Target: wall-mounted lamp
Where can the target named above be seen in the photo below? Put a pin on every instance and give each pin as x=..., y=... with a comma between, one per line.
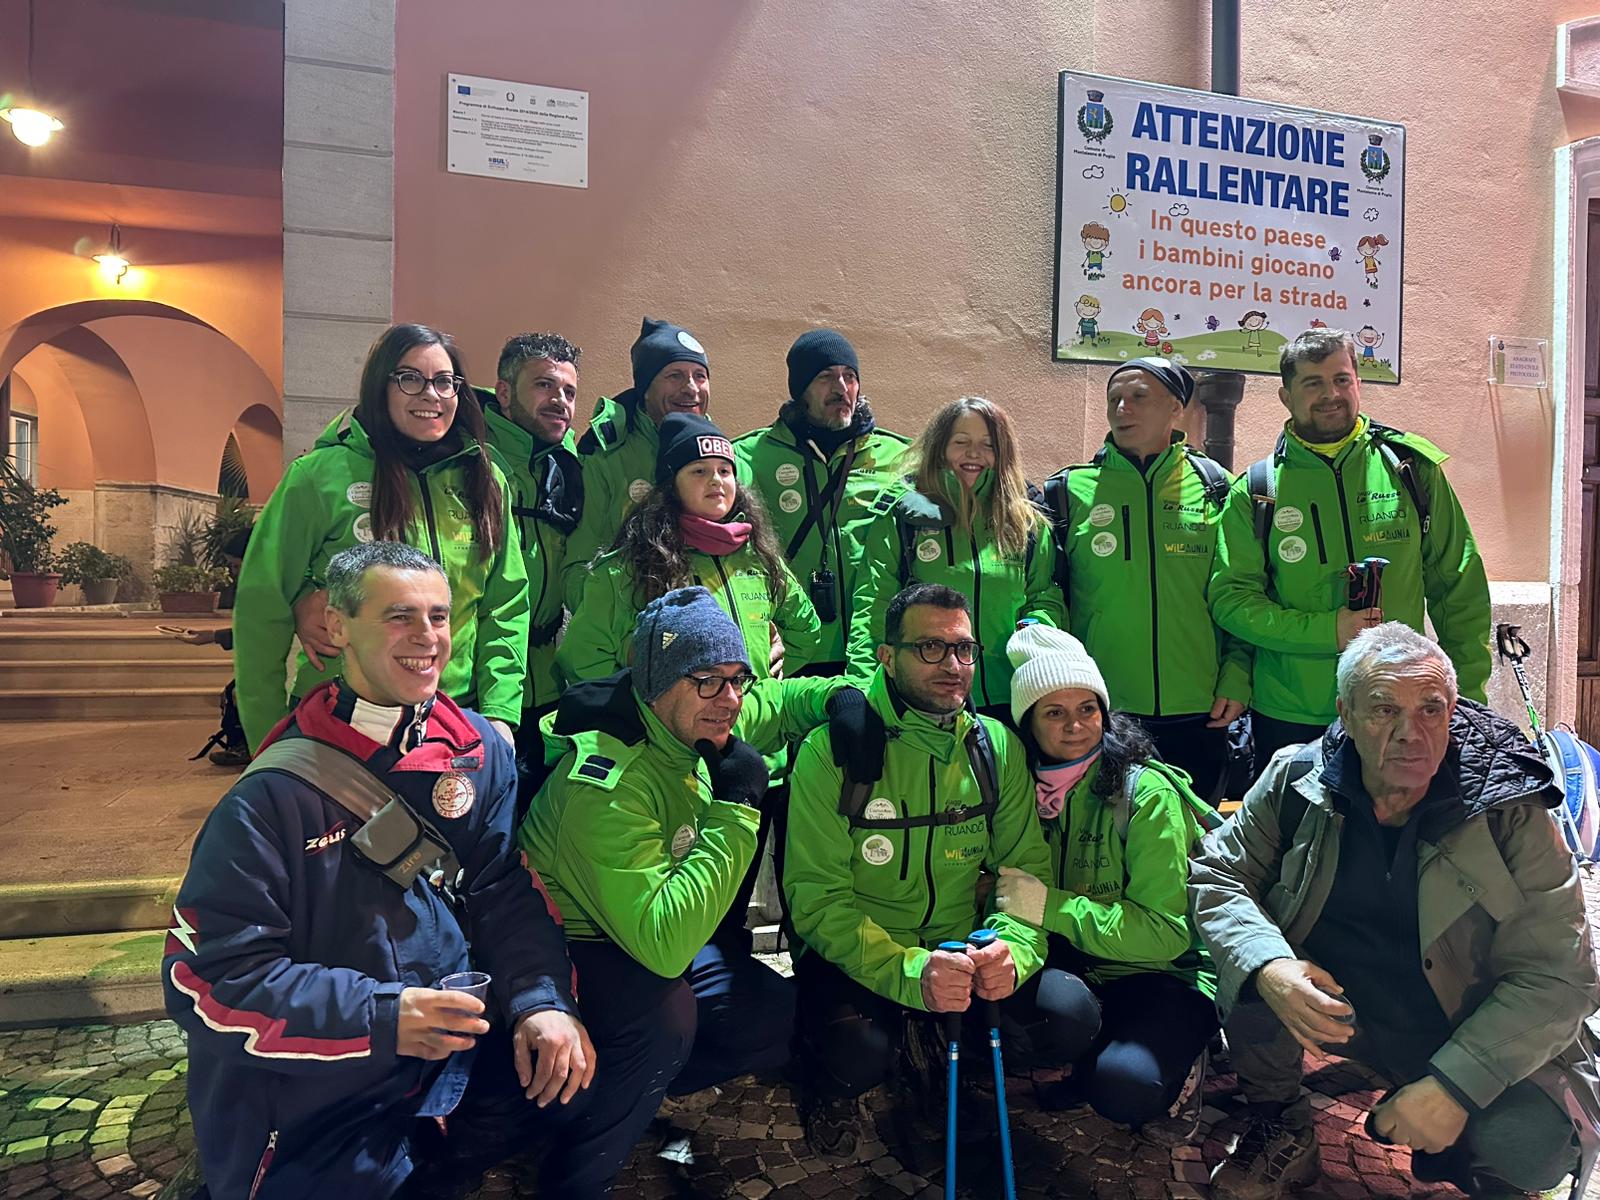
x=113, y=266
x=30, y=126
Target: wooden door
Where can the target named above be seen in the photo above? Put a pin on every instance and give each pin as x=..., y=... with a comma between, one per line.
x=1589, y=607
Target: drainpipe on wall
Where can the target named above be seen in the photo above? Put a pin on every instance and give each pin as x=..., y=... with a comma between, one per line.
x=1219, y=392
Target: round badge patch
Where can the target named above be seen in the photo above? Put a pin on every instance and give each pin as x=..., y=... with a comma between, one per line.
x=879, y=809
x=359, y=494
x=928, y=549
x=638, y=490
x=1287, y=520
x=682, y=840
x=688, y=342
x=787, y=473
x=1292, y=549
x=1101, y=514
x=877, y=850
x=789, y=501
x=1104, y=544
x=452, y=795
x=362, y=528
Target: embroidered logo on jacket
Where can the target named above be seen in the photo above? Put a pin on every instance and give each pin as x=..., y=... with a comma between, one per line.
x=336, y=833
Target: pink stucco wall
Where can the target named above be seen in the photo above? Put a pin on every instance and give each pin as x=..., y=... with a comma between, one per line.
x=889, y=169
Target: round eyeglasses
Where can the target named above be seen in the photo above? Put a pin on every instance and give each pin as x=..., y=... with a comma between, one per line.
x=414, y=383
x=710, y=686
x=935, y=650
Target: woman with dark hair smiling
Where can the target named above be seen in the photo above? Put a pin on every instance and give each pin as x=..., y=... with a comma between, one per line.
x=697, y=526
x=409, y=464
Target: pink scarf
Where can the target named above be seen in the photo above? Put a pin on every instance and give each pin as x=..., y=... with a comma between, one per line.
x=717, y=538
x=1054, y=783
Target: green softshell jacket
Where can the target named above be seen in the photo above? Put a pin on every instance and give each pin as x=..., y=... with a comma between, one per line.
x=319, y=508
x=625, y=834
x=876, y=903
x=1139, y=554
x=793, y=479
x=921, y=536
x=1329, y=514
x=619, y=469
x=544, y=521
x=597, y=641
x=1121, y=896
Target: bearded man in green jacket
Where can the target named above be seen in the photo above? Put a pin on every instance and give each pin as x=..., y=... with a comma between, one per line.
x=671, y=373
x=880, y=872
x=1340, y=488
x=1136, y=539
x=819, y=467
x=1396, y=893
x=646, y=827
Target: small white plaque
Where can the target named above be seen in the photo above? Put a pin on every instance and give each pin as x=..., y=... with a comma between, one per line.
x=521, y=131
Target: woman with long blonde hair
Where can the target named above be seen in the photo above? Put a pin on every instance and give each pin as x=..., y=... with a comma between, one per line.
x=964, y=519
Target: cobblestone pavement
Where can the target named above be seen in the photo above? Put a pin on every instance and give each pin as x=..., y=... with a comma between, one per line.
x=99, y=1111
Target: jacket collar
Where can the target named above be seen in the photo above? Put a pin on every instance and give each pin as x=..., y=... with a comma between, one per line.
x=916, y=729
x=1111, y=455
x=347, y=430
x=448, y=740
x=612, y=706
x=618, y=417
x=518, y=444
x=792, y=420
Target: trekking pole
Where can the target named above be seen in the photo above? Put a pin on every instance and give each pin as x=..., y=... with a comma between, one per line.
x=952, y=1035
x=1508, y=641
x=978, y=939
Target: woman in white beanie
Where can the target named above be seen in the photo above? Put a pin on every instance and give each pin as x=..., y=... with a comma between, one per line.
x=1119, y=824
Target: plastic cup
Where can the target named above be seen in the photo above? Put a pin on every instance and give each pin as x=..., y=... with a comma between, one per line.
x=473, y=983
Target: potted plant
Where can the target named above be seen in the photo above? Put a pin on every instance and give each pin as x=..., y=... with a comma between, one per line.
x=222, y=530
x=25, y=537
x=184, y=588
x=96, y=571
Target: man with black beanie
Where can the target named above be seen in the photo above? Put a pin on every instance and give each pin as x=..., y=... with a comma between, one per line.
x=1136, y=533
x=671, y=373
x=819, y=467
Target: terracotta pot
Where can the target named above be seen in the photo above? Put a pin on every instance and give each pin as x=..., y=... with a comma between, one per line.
x=34, y=590
x=101, y=591
x=188, y=602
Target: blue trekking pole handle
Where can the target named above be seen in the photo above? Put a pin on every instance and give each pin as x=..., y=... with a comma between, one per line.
x=952, y=1037
x=978, y=939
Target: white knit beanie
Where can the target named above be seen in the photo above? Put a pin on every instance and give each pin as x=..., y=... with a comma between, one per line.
x=1046, y=660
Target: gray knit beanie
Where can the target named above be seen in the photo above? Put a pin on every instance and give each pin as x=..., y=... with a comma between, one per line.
x=680, y=633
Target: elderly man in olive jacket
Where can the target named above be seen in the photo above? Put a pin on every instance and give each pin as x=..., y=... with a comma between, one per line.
x=1397, y=893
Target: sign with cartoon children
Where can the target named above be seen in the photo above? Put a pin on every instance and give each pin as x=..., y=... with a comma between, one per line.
x=1213, y=229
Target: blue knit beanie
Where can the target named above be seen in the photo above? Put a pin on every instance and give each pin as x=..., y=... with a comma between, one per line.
x=660, y=343
x=814, y=351
x=680, y=633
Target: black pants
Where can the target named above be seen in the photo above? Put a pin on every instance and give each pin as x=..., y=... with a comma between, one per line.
x=1271, y=735
x=1152, y=1028
x=849, y=1033
x=727, y=1015
x=1187, y=744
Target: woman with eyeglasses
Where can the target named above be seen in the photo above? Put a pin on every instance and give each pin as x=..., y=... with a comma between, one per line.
x=696, y=527
x=1119, y=823
x=965, y=520
x=409, y=464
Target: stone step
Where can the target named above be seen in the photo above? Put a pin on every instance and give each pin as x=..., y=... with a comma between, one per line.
x=83, y=977
x=114, y=674
x=136, y=640
x=95, y=704
x=42, y=910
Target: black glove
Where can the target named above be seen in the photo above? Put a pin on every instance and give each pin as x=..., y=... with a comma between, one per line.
x=738, y=772
x=856, y=734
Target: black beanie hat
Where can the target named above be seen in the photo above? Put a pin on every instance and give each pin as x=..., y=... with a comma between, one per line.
x=660, y=343
x=817, y=350
x=684, y=437
x=1175, y=378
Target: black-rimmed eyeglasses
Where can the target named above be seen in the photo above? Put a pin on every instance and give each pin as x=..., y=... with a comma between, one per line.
x=414, y=383
x=935, y=650
x=710, y=686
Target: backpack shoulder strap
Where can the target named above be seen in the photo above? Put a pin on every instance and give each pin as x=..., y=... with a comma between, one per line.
x=1262, y=480
x=1401, y=460
x=333, y=772
x=1214, y=480
x=980, y=753
x=1122, y=806
x=853, y=792
x=1292, y=807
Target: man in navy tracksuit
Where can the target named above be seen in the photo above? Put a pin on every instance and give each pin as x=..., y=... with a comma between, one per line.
x=306, y=978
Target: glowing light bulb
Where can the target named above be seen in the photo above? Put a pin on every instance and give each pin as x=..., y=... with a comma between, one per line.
x=30, y=126
x=112, y=267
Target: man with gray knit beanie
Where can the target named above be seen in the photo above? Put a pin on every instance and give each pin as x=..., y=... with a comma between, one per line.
x=645, y=829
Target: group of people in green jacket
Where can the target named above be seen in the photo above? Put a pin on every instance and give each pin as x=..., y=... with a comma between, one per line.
x=957, y=699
